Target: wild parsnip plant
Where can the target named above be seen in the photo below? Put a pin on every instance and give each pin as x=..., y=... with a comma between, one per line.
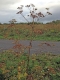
x=34, y=14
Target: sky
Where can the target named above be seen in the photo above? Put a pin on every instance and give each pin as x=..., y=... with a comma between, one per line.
x=8, y=10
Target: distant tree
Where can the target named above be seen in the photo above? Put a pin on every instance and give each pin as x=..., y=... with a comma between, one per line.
x=0, y=23
x=5, y=23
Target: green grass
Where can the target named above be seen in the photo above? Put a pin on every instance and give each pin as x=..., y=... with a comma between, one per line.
x=44, y=66
x=24, y=36
x=23, y=31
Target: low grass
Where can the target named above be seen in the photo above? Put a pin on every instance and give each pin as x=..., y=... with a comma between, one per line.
x=50, y=32
x=13, y=66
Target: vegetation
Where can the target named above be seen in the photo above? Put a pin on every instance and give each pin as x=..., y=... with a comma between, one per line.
x=49, y=32
x=13, y=66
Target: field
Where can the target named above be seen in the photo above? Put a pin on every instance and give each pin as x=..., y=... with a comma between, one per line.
x=49, y=32
x=15, y=66
x=23, y=65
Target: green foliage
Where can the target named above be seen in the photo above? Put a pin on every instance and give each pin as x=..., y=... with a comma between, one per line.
x=48, y=32
x=41, y=66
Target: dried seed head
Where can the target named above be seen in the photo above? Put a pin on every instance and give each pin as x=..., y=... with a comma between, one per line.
x=28, y=15
x=40, y=14
x=12, y=21
x=32, y=11
x=49, y=13
x=33, y=16
x=27, y=6
x=21, y=5
x=19, y=12
x=32, y=5
x=43, y=15
x=19, y=8
x=35, y=8
x=47, y=8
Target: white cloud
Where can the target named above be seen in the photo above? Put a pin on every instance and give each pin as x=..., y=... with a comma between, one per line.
x=6, y=4
x=8, y=8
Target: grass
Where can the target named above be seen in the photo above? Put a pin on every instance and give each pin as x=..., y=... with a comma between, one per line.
x=50, y=32
x=44, y=66
x=13, y=66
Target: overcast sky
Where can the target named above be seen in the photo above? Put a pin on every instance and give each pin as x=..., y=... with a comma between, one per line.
x=8, y=9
